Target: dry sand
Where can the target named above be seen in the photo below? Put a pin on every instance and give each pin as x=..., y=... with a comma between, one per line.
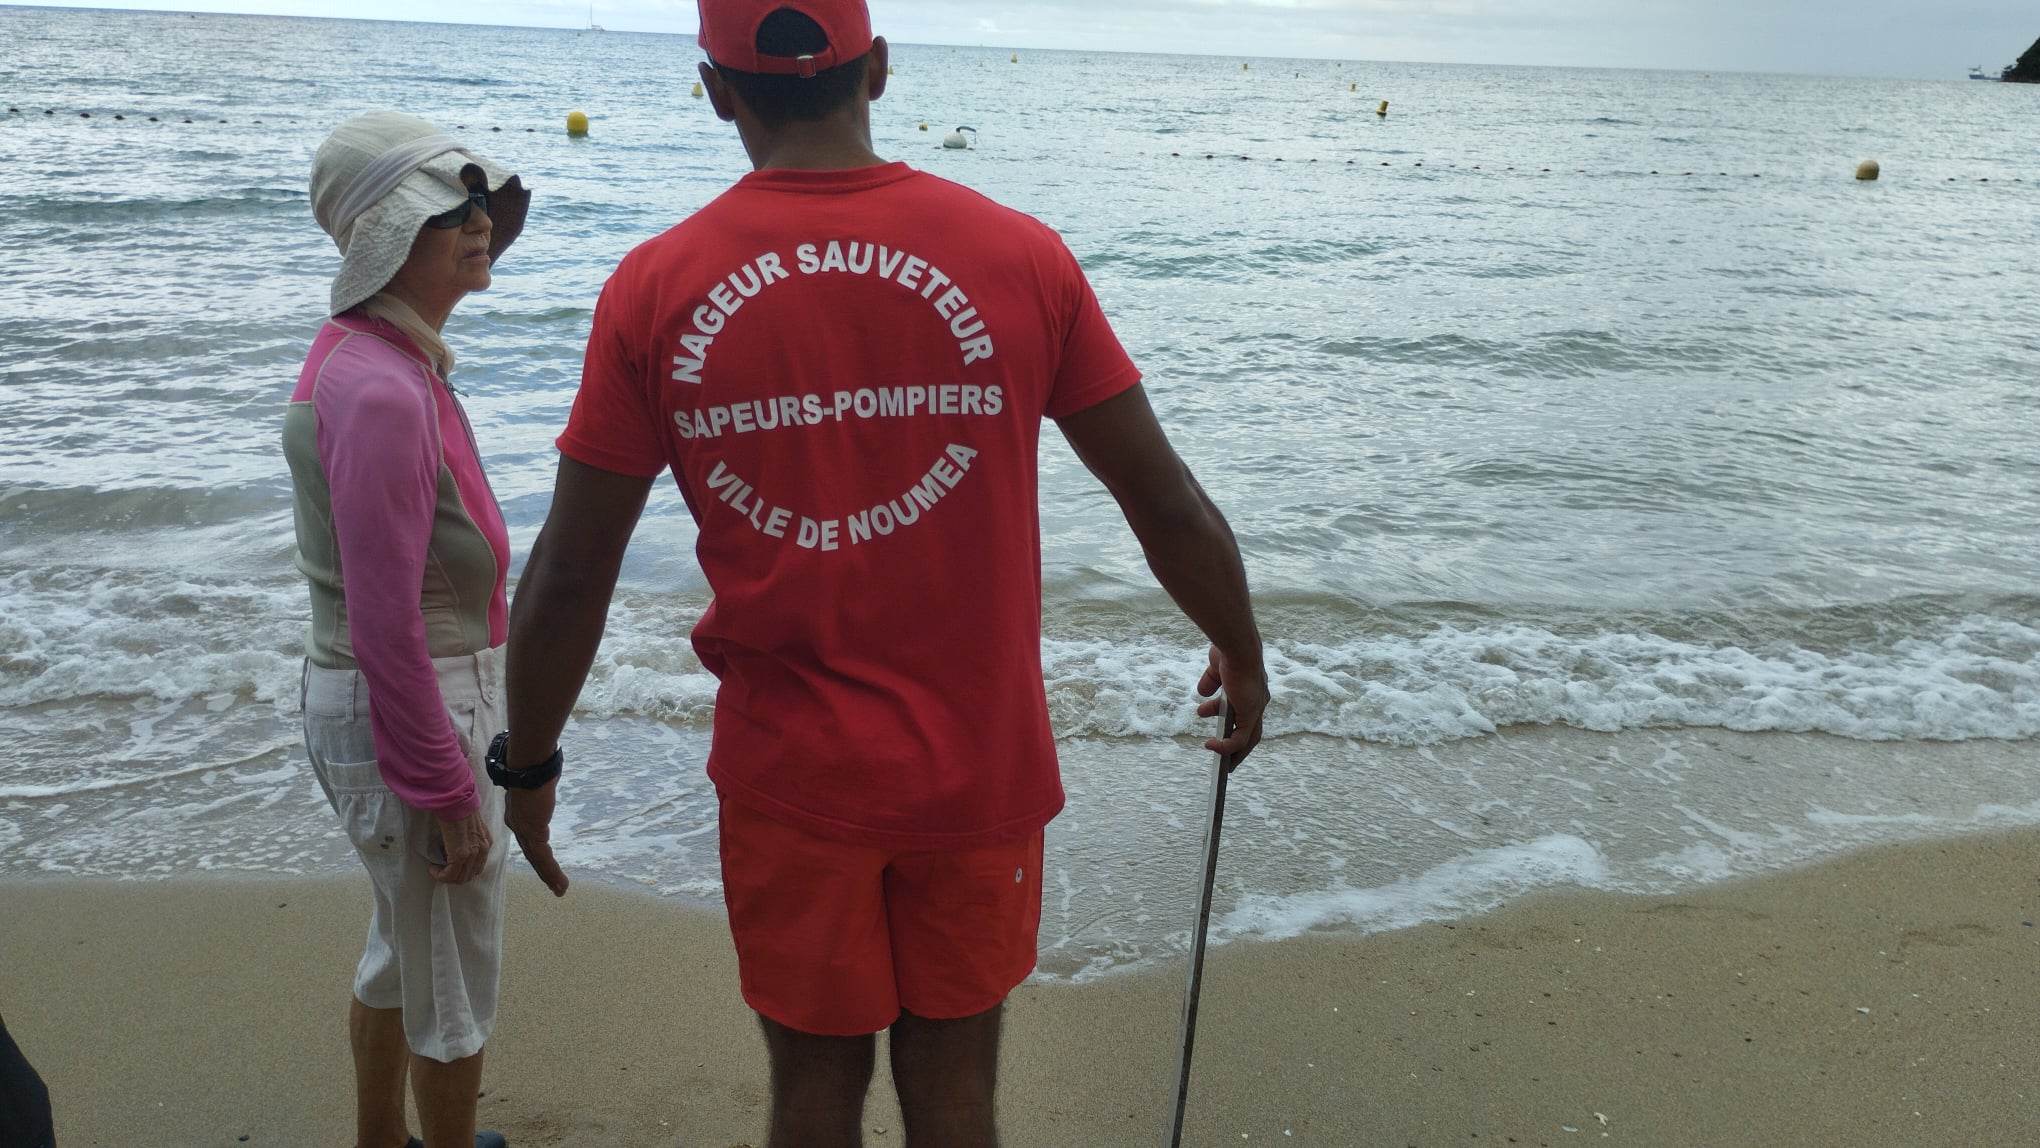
x=202, y=1012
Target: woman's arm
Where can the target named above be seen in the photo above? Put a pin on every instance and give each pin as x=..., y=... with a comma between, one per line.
x=377, y=444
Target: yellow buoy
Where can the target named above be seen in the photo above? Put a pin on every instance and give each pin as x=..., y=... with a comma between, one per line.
x=1016, y=57
x=1353, y=87
x=696, y=93
x=1868, y=170
x=1383, y=109
x=1244, y=68
x=888, y=69
x=577, y=123
x=924, y=127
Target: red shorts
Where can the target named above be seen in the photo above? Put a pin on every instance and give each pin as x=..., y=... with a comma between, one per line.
x=835, y=939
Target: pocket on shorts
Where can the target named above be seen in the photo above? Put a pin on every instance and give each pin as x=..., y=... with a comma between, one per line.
x=343, y=756
x=466, y=726
x=470, y=729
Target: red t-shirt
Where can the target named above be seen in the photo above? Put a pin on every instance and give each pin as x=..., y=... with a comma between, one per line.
x=846, y=372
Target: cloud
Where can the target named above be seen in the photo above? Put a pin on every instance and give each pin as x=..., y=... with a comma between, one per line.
x=1887, y=37
x=1873, y=36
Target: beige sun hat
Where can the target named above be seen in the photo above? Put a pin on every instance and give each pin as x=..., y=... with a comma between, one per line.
x=379, y=177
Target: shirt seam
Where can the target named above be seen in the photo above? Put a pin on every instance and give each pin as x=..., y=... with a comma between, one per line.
x=499, y=576
x=432, y=554
x=340, y=633
x=1107, y=388
x=589, y=454
x=766, y=182
x=408, y=353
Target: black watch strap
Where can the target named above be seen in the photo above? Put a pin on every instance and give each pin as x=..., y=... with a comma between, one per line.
x=531, y=777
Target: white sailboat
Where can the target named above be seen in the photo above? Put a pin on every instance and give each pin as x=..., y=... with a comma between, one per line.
x=592, y=25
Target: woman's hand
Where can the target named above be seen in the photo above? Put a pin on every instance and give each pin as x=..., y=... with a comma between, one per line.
x=468, y=841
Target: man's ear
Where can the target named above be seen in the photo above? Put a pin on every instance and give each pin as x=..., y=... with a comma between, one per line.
x=876, y=66
x=719, y=95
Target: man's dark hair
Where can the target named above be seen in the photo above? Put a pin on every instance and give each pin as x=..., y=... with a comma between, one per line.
x=780, y=100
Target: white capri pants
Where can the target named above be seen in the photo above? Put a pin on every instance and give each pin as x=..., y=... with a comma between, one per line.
x=434, y=950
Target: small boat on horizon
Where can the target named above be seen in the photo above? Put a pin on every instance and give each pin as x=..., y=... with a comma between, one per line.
x=592, y=25
x=1976, y=71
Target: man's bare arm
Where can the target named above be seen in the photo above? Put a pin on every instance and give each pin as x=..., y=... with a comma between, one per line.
x=556, y=626
x=562, y=601
x=1188, y=546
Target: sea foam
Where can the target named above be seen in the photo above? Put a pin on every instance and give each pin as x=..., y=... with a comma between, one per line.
x=132, y=634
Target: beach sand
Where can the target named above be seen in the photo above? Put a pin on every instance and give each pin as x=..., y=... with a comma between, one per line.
x=202, y=1012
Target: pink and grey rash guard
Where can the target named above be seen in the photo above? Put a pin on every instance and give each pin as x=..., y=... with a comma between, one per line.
x=402, y=541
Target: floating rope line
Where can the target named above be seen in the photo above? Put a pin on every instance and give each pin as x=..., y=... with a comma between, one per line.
x=121, y=117
x=15, y=110
x=1415, y=164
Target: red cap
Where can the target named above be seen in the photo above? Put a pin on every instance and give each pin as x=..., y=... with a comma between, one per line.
x=729, y=34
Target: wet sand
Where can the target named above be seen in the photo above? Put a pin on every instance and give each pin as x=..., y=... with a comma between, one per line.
x=197, y=1012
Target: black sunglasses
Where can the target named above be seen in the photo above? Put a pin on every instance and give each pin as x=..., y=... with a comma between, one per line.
x=459, y=215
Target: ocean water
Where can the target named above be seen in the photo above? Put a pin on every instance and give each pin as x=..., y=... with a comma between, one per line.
x=1633, y=499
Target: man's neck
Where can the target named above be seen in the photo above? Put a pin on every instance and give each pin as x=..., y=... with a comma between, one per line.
x=836, y=144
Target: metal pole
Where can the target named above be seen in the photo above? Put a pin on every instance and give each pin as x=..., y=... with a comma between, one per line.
x=1220, y=769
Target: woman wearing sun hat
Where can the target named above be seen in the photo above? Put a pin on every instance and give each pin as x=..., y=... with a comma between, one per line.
x=406, y=552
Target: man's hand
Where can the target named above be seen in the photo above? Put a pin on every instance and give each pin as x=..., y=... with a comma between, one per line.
x=529, y=817
x=1247, y=691
x=467, y=841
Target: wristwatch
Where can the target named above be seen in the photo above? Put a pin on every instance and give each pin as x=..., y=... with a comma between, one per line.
x=531, y=777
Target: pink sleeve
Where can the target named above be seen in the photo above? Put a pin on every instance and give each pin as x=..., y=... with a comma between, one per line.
x=377, y=445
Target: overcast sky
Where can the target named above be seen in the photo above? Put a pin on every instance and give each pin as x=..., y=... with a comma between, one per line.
x=1918, y=38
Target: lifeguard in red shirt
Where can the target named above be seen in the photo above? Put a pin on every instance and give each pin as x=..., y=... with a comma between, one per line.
x=846, y=364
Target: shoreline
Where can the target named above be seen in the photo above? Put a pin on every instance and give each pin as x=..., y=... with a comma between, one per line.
x=1323, y=835
x=1725, y=1015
